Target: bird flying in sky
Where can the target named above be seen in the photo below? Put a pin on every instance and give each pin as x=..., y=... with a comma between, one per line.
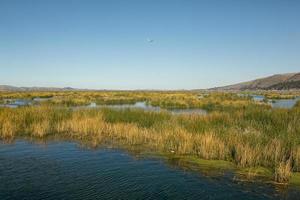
x=150, y=40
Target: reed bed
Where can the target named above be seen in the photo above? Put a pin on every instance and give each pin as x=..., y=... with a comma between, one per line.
x=251, y=136
x=167, y=99
x=281, y=94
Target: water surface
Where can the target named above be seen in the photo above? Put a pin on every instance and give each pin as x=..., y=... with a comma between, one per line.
x=64, y=170
x=147, y=107
x=276, y=103
x=258, y=98
x=284, y=103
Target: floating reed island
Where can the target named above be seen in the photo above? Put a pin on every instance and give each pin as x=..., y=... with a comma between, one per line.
x=252, y=136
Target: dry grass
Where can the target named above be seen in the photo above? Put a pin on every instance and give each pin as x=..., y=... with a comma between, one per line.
x=250, y=136
x=283, y=171
x=8, y=129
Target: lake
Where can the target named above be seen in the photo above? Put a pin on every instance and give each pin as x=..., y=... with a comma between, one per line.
x=66, y=170
x=148, y=107
x=284, y=103
x=277, y=103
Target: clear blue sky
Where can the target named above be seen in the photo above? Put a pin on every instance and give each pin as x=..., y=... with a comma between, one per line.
x=105, y=44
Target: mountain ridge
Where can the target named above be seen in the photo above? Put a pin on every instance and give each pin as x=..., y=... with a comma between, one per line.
x=24, y=89
x=285, y=81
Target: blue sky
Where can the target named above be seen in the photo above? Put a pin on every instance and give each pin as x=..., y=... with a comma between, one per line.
x=104, y=44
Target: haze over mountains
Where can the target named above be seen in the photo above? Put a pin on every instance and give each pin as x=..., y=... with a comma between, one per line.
x=21, y=89
x=275, y=82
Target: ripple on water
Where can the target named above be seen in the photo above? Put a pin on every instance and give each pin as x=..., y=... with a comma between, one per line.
x=62, y=170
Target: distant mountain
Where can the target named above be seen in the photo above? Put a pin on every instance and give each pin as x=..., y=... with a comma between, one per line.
x=285, y=85
x=275, y=82
x=8, y=88
x=20, y=89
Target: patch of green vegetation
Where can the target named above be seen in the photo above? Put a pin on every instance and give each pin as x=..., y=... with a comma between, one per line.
x=208, y=164
x=211, y=166
x=118, y=101
x=194, y=162
x=295, y=178
x=256, y=172
x=138, y=116
x=297, y=105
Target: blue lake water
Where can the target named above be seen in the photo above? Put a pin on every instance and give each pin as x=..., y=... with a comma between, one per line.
x=277, y=103
x=148, y=107
x=257, y=97
x=65, y=170
x=285, y=103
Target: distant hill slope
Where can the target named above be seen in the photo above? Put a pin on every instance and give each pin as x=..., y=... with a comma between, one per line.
x=20, y=89
x=285, y=85
x=277, y=82
x=8, y=88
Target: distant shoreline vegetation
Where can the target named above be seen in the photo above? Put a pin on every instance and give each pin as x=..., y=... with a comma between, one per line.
x=251, y=135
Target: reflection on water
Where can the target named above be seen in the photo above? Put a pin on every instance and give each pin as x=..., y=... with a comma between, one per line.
x=9, y=105
x=62, y=170
x=188, y=111
x=39, y=99
x=284, y=103
x=258, y=97
x=277, y=103
x=137, y=105
x=148, y=107
x=14, y=103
